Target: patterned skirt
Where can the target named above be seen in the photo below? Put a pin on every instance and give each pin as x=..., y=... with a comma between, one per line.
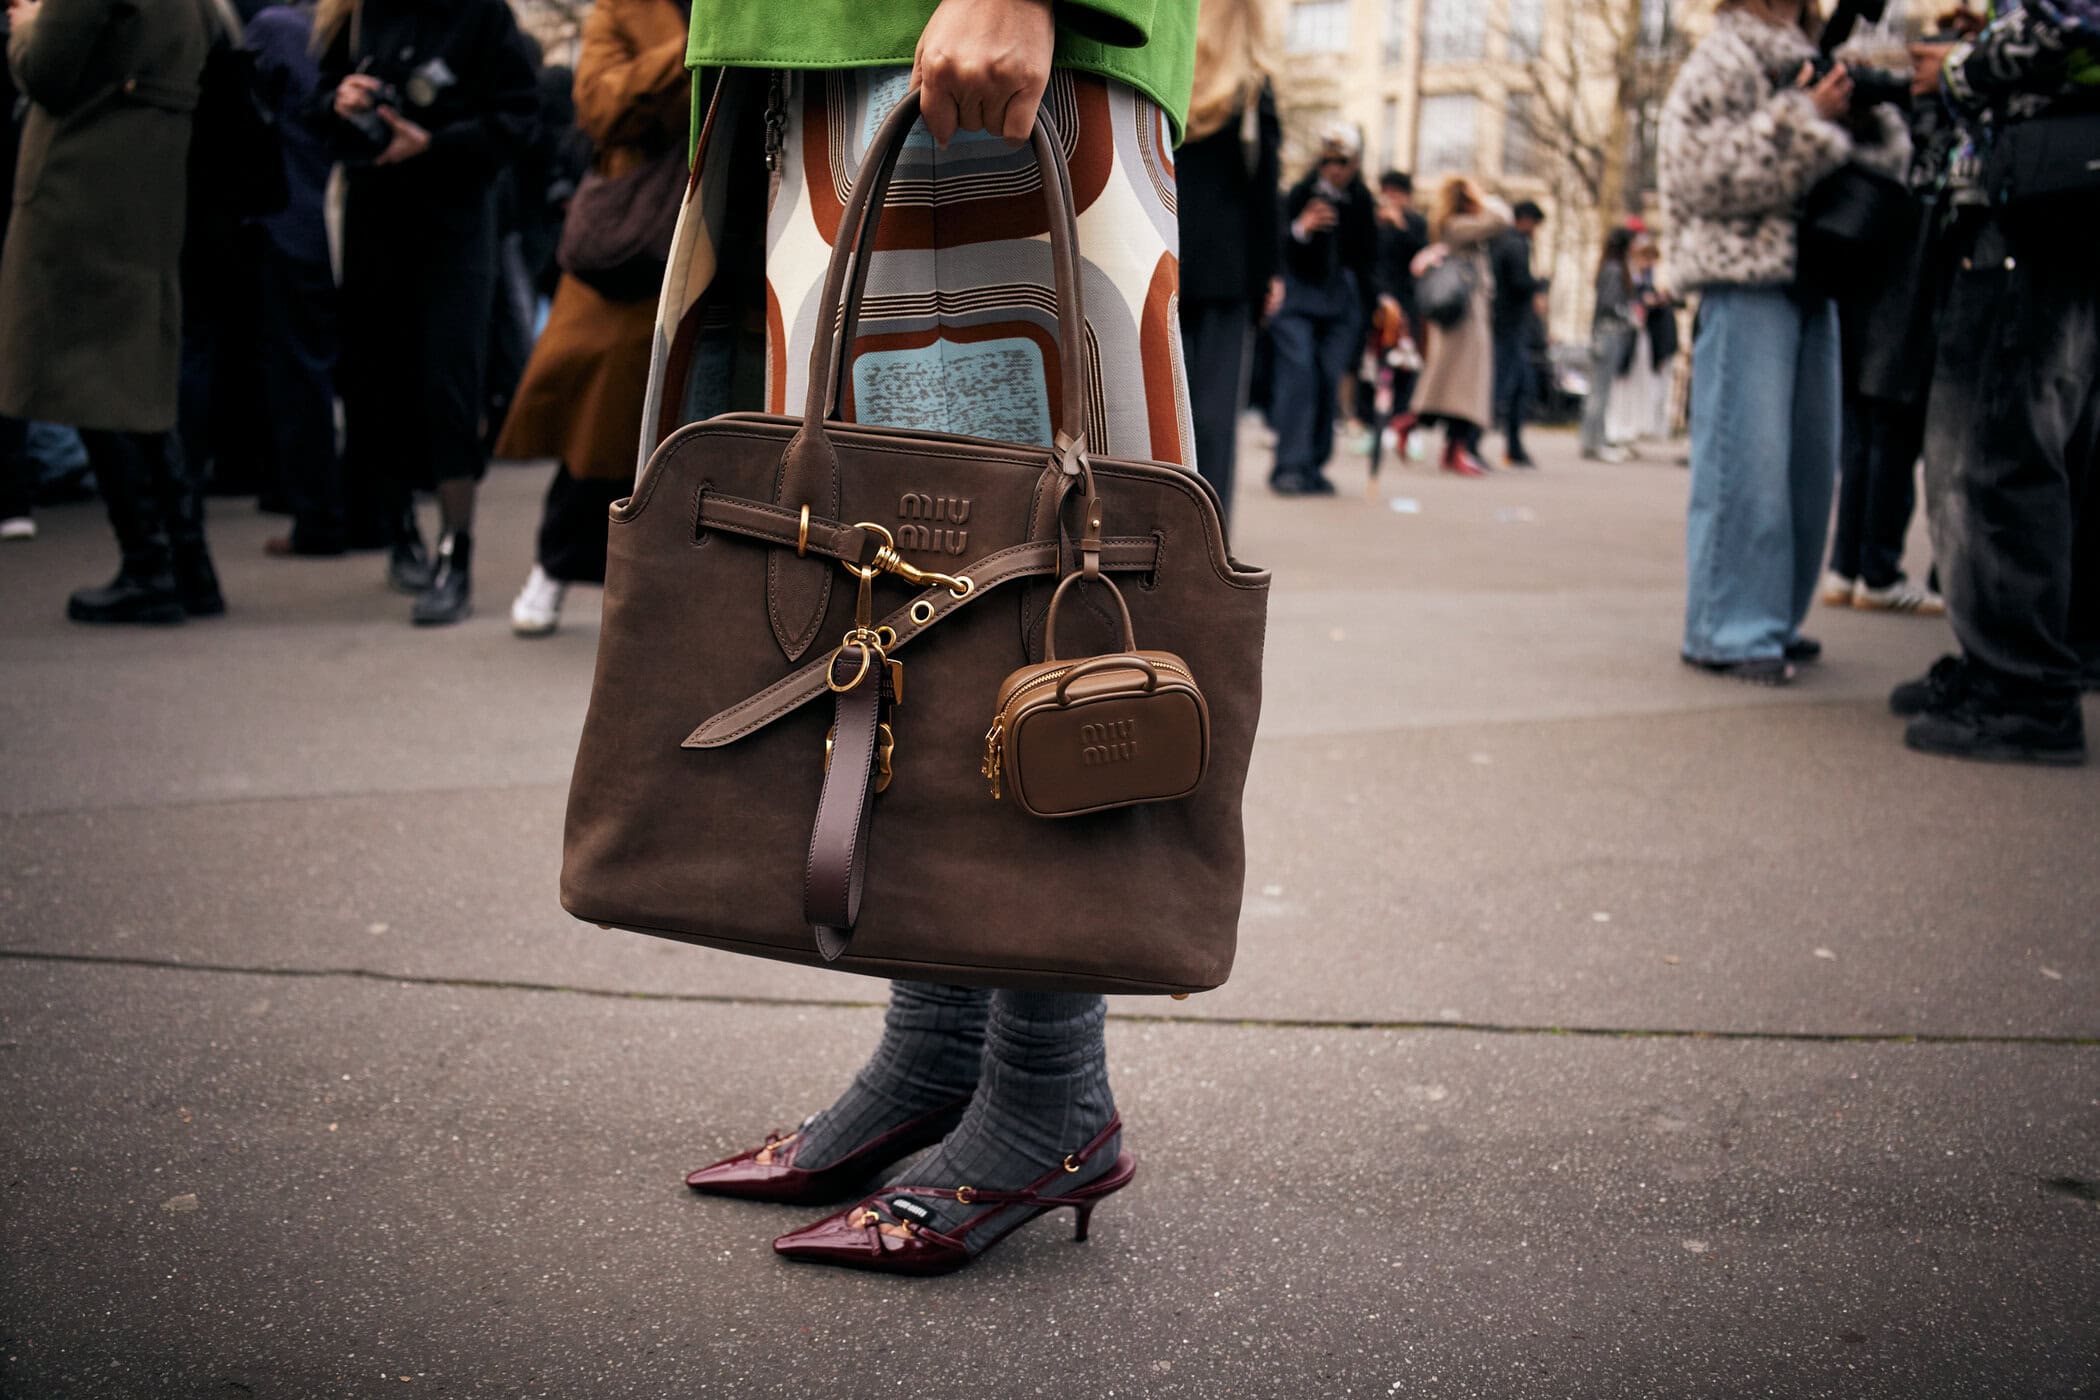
x=959, y=331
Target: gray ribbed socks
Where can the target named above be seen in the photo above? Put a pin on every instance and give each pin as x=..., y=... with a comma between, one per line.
x=1043, y=1094
x=932, y=1045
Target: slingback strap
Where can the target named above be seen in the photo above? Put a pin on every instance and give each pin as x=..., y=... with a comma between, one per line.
x=1032, y=1194
x=838, y=847
x=1036, y=559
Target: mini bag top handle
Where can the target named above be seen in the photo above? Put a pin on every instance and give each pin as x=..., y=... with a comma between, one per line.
x=798, y=590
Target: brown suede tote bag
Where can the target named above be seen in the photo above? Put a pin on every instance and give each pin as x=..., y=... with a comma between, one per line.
x=806, y=626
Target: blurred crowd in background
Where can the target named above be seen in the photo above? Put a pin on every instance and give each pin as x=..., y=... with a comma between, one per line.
x=341, y=255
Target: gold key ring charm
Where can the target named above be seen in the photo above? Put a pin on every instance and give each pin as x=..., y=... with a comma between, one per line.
x=867, y=663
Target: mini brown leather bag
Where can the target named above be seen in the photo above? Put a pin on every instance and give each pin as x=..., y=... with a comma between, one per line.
x=756, y=772
x=1076, y=737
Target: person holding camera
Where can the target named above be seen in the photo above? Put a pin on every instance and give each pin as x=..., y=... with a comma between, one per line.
x=1748, y=129
x=429, y=99
x=2014, y=422
x=1329, y=249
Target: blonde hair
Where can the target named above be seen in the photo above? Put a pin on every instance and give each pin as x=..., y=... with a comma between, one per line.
x=1235, y=55
x=1454, y=197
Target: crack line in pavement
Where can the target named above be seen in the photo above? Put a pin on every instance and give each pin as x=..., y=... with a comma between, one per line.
x=1286, y=1023
x=1427, y=726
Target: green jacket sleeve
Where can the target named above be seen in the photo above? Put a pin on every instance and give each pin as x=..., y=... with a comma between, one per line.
x=51, y=55
x=1120, y=24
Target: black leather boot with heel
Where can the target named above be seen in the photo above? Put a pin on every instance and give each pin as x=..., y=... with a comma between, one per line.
x=144, y=589
x=181, y=497
x=450, y=596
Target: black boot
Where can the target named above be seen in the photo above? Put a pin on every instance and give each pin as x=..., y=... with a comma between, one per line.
x=144, y=588
x=450, y=596
x=182, y=507
x=408, y=566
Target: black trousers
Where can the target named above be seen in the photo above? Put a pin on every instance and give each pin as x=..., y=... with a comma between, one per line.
x=297, y=330
x=1215, y=339
x=1512, y=389
x=419, y=277
x=222, y=433
x=1877, y=487
x=573, y=526
x=2011, y=485
x=17, y=472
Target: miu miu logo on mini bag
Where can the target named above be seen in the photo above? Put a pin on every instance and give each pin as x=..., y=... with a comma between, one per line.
x=1072, y=737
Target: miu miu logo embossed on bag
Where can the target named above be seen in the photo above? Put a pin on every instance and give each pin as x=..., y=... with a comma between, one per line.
x=925, y=520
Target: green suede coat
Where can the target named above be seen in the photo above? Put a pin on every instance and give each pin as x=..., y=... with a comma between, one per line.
x=90, y=288
x=1149, y=44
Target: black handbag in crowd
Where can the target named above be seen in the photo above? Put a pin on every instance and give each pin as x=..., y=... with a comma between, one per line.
x=1445, y=292
x=1661, y=322
x=617, y=237
x=1851, y=217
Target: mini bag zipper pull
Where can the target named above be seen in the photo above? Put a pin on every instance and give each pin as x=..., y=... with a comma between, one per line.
x=992, y=755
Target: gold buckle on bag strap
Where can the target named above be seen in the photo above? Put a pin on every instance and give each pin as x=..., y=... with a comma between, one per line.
x=874, y=642
x=888, y=561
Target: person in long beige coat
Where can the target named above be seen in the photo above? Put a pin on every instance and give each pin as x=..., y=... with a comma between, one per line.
x=1457, y=387
x=580, y=400
x=90, y=293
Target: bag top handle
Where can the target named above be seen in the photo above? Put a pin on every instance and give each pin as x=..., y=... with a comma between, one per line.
x=845, y=282
x=799, y=590
x=1057, y=600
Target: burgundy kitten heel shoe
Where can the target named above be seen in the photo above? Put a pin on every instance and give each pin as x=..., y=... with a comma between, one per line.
x=778, y=1179
x=886, y=1232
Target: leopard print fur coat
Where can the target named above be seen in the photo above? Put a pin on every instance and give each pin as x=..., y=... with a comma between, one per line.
x=1738, y=158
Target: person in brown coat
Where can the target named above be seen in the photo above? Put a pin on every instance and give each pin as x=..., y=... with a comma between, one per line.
x=1458, y=381
x=580, y=400
x=90, y=295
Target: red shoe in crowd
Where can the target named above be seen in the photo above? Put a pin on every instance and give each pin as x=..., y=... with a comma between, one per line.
x=1461, y=461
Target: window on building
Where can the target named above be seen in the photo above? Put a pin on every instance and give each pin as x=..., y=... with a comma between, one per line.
x=1522, y=152
x=1395, y=32
x=1389, y=134
x=1453, y=31
x=1448, y=138
x=1527, y=29
x=1319, y=26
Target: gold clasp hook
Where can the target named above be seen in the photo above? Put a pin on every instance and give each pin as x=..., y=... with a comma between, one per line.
x=888, y=561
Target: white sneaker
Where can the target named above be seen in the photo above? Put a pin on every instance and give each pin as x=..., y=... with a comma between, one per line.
x=537, y=609
x=1837, y=590
x=1901, y=596
x=17, y=527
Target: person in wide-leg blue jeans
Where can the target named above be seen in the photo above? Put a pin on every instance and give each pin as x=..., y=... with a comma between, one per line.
x=1741, y=147
x=1765, y=426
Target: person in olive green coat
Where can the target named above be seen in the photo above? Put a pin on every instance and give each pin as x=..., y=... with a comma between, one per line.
x=90, y=301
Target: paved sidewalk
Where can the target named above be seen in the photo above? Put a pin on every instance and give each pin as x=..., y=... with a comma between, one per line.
x=1600, y=1028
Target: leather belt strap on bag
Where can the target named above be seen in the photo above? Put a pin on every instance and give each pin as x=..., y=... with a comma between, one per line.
x=851, y=545
x=838, y=847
